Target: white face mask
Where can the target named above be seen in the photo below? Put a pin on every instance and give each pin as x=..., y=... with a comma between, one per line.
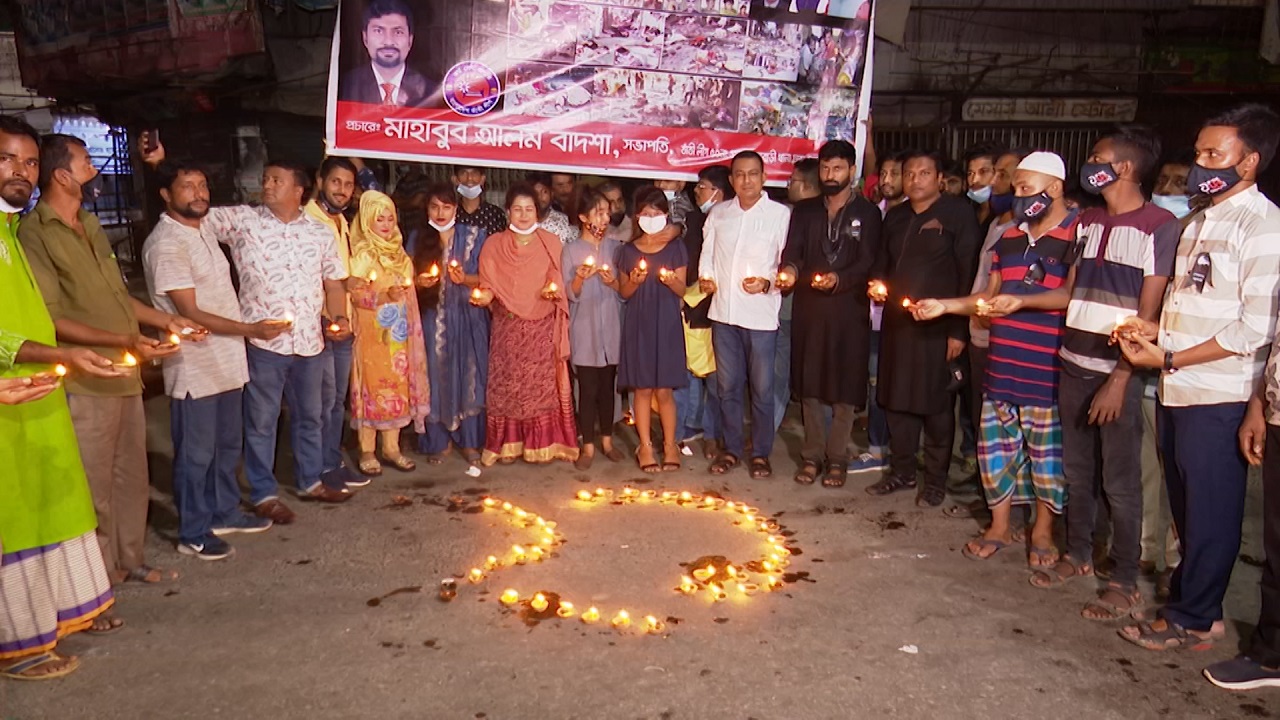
x=706, y=206
x=1179, y=205
x=671, y=194
x=522, y=231
x=470, y=192
x=442, y=228
x=652, y=224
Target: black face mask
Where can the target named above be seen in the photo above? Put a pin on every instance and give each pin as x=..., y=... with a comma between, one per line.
x=322, y=199
x=1001, y=204
x=1031, y=207
x=1201, y=180
x=615, y=219
x=831, y=188
x=1096, y=176
x=91, y=189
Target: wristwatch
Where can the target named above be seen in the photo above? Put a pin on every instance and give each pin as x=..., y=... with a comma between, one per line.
x=1168, y=362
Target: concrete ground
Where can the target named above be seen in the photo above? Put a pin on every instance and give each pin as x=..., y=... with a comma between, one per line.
x=891, y=621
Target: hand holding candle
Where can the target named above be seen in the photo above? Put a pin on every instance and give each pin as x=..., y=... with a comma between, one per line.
x=481, y=297
x=928, y=309
x=640, y=272
x=551, y=291
x=825, y=281
x=877, y=291
x=786, y=280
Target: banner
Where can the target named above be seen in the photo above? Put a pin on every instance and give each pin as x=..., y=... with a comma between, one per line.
x=639, y=88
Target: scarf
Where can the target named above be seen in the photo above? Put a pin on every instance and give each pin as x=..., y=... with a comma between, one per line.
x=370, y=251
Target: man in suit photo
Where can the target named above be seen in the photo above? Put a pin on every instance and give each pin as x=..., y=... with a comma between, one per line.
x=387, y=33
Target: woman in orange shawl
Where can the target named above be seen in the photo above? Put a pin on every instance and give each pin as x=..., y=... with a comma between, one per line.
x=530, y=402
x=389, y=370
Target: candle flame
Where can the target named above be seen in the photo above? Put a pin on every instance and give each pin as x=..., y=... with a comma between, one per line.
x=373, y=276
x=476, y=575
x=174, y=339
x=590, y=261
x=130, y=360
x=476, y=293
x=335, y=327
x=60, y=370
x=906, y=302
x=433, y=271
x=565, y=610
x=453, y=263
x=288, y=317
x=552, y=287
x=509, y=597
x=644, y=265
x=584, y=495
x=591, y=615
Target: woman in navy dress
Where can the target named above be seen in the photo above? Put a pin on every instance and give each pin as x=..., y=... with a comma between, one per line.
x=652, y=275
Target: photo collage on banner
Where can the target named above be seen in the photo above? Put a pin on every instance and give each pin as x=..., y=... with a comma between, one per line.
x=646, y=88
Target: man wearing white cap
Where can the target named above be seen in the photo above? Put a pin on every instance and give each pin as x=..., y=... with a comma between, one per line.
x=1020, y=441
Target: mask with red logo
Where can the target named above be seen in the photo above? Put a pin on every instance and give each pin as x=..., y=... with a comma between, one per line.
x=1096, y=176
x=1204, y=181
x=1032, y=206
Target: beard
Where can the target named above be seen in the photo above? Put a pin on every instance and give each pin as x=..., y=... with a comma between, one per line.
x=389, y=58
x=192, y=211
x=890, y=193
x=834, y=188
x=17, y=193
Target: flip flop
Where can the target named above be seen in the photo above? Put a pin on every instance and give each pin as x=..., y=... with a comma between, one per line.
x=401, y=463
x=1048, y=557
x=1055, y=575
x=142, y=572
x=16, y=670
x=984, y=543
x=1113, y=610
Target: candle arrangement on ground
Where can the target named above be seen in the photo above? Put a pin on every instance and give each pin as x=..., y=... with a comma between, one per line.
x=713, y=578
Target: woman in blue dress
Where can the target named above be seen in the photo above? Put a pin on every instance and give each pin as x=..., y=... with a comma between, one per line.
x=447, y=262
x=652, y=275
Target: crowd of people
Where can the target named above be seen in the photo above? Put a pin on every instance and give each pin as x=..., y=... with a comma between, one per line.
x=1100, y=339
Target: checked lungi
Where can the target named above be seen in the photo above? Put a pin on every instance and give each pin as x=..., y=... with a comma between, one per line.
x=1020, y=454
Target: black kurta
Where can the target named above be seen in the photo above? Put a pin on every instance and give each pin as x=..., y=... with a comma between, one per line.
x=831, y=329
x=932, y=254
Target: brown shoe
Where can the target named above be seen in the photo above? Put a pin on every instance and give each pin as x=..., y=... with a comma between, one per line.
x=325, y=495
x=275, y=511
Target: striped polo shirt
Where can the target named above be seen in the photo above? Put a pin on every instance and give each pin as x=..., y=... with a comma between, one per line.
x=1117, y=252
x=1023, y=364
x=1236, y=306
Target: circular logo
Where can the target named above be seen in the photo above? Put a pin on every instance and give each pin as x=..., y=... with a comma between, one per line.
x=472, y=88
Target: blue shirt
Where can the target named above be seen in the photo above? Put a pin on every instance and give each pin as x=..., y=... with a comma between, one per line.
x=595, y=316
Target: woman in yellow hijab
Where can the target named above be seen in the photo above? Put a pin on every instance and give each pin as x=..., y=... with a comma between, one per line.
x=389, y=371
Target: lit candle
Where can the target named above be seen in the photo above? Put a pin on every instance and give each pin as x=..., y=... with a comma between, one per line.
x=652, y=624
x=520, y=513
x=521, y=558
x=453, y=264
x=509, y=597
x=288, y=317
x=128, y=361
x=60, y=370
x=817, y=278
x=490, y=502
x=373, y=276
x=539, y=602
x=475, y=294
x=433, y=271
x=334, y=327
x=601, y=492
x=590, y=261
x=507, y=506
x=686, y=496
x=982, y=306
x=584, y=496
x=687, y=585
x=476, y=575
x=664, y=274
x=604, y=267
x=552, y=288
x=879, y=288
x=491, y=563
x=537, y=553
x=622, y=619
x=174, y=339
x=774, y=582
x=716, y=592
x=644, y=265
x=705, y=573
x=565, y=610
x=590, y=615
x=906, y=303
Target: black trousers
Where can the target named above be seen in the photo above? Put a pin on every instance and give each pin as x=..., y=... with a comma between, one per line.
x=595, y=401
x=904, y=439
x=1264, y=646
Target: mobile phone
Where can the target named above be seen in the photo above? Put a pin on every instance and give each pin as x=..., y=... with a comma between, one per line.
x=150, y=140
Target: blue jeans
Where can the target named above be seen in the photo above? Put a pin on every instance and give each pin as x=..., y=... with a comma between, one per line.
x=337, y=384
x=745, y=357
x=781, y=374
x=300, y=380
x=877, y=424
x=207, y=439
x=1205, y=474
x=698, y=408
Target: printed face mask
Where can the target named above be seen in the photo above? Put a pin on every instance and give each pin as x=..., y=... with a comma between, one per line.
x=1211, y=182
x=653, y=224
x=1096, y=176
x=1031, y=207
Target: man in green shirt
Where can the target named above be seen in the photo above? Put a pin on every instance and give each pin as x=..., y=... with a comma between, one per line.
x=85, y=294
x=52, y=580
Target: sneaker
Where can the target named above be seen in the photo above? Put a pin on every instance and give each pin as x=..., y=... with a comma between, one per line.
x=1241, y=673
x=211, y=549
x=867, y=462
x=243, y=524
x=353, y=479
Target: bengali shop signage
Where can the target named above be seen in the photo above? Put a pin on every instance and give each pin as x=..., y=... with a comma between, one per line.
x=643, y=88
x=1049, y=109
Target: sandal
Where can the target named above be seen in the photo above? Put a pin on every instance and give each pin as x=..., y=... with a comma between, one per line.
x=983, y=543
x=1121, y=603
x=1038, y=557
x=724, y=464
x=648, y=467
x=1060, y=573
x=1172, y=637
x=369, y=465
x=930, y=496
x=807, y=473
x=835, y=475
x=145, y=573
x=760, y=468
x=401, y=463
x=891, y=483
x=104, y=625
x=24, y=669
x=669, y=465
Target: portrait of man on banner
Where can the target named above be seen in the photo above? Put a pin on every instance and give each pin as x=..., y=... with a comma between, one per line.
x=384, y=78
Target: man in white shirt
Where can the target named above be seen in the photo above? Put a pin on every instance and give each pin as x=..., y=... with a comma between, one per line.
x=188, y=274
x=1215, y=330
x=741, y=253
